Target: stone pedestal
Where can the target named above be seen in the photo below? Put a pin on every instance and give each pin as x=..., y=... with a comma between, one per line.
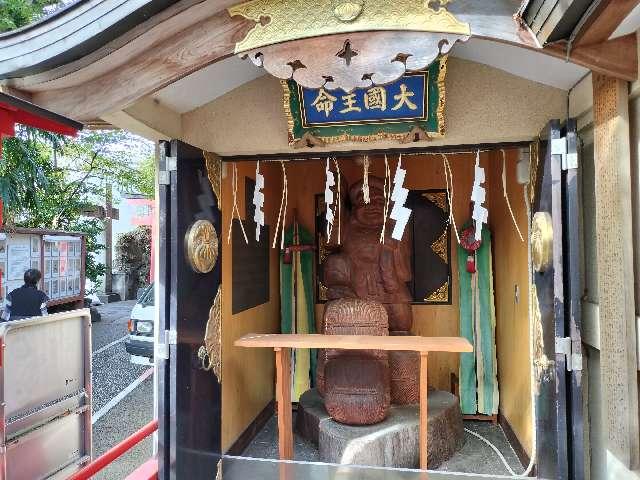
x=391, y=443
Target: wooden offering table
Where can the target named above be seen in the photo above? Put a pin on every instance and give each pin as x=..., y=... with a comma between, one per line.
x=283, y=343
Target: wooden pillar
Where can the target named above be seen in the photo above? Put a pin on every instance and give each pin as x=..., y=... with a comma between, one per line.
x=283, y=397
x=615, y=269
x=424, y=411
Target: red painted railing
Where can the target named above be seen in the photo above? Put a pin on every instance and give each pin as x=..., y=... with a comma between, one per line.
x=147, y=471
x=109, y=456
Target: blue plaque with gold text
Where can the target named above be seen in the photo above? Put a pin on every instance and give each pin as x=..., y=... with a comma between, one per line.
x=372, y=113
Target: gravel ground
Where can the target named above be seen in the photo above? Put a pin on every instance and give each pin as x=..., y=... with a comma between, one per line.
x=112, y=373
x=113, y=324
x=133, y=413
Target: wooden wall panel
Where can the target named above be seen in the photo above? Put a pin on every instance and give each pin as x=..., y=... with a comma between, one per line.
x=615, y=268
x=511, y=272
x=248, y=373
x=423, y=172
x=245, y=395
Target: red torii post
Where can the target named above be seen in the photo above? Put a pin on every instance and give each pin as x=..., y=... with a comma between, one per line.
x=15, y=110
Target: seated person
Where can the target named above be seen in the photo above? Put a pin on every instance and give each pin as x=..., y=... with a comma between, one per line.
x=26, y=301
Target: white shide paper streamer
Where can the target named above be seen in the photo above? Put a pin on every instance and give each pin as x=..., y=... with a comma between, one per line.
x=328, y=198
x=258, y=201
x=399, y=212
x=478, y=195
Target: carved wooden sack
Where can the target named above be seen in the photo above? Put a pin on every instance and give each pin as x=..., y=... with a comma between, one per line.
x=358, y=390
x=404, y=369
x=351, y=316
x=355, y=383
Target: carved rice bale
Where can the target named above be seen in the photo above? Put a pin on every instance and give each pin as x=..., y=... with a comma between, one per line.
x=351, y=316
x=358, y=390
x=405, y=377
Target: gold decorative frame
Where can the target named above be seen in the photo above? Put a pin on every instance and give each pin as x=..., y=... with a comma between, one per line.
x=210, y=354
x=214, y=171
x=440, y=246
x=278, y=21
x=441, y=295
x=439, y=199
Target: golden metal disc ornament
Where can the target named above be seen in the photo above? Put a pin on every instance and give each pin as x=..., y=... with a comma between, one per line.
x=202, y=246
x=541, y=241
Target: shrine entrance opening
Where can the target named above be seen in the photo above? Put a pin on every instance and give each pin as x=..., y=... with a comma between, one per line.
x=437, y=281
x=304, y=275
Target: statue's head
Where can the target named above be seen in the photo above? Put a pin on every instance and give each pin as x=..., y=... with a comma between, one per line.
x=372, y=213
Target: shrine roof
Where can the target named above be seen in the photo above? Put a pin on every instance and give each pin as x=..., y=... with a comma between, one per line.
x=73, y=32
x=95, y=57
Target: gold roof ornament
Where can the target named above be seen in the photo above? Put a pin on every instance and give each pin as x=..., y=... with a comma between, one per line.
x=285, y=20
x=327, y=43
x=347, y=10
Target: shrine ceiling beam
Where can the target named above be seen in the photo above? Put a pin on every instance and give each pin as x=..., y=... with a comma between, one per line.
x=149, y=119
x=617, y=57
x=603, y=21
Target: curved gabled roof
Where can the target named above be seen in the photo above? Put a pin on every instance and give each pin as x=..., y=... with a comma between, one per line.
x=100, y=56
x=71, y=33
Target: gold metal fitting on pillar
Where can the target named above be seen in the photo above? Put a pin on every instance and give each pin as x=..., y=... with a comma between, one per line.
x=202, y=246
x=541, y=241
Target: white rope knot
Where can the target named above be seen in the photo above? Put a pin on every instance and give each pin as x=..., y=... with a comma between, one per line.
x=448, y=178
x=506, y=196
x=235, y=210
x=283, y=208
x=365, y=181
x=387, y=196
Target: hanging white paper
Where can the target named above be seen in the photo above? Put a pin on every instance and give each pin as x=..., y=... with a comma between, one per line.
x=478, y=195
x=328, y=198
x=399, y=212
x=258, y=202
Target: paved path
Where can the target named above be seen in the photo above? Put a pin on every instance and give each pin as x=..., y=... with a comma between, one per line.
x=122, y=392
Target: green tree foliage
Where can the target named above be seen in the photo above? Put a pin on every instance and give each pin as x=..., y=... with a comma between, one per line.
x=48, y=181
x=18, y=13
x=147, y=179
x=133, y=256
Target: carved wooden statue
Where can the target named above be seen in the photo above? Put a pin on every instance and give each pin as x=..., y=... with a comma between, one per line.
x=372, y=274
x=368, y=269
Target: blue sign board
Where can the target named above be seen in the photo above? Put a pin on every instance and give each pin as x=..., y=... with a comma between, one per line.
x=405, y=99
x=389, y=111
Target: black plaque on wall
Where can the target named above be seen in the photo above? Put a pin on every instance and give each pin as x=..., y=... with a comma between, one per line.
x=250, y=262
x=431, y=252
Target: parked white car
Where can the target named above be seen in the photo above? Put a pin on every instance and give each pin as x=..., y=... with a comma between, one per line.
x=140, y=342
